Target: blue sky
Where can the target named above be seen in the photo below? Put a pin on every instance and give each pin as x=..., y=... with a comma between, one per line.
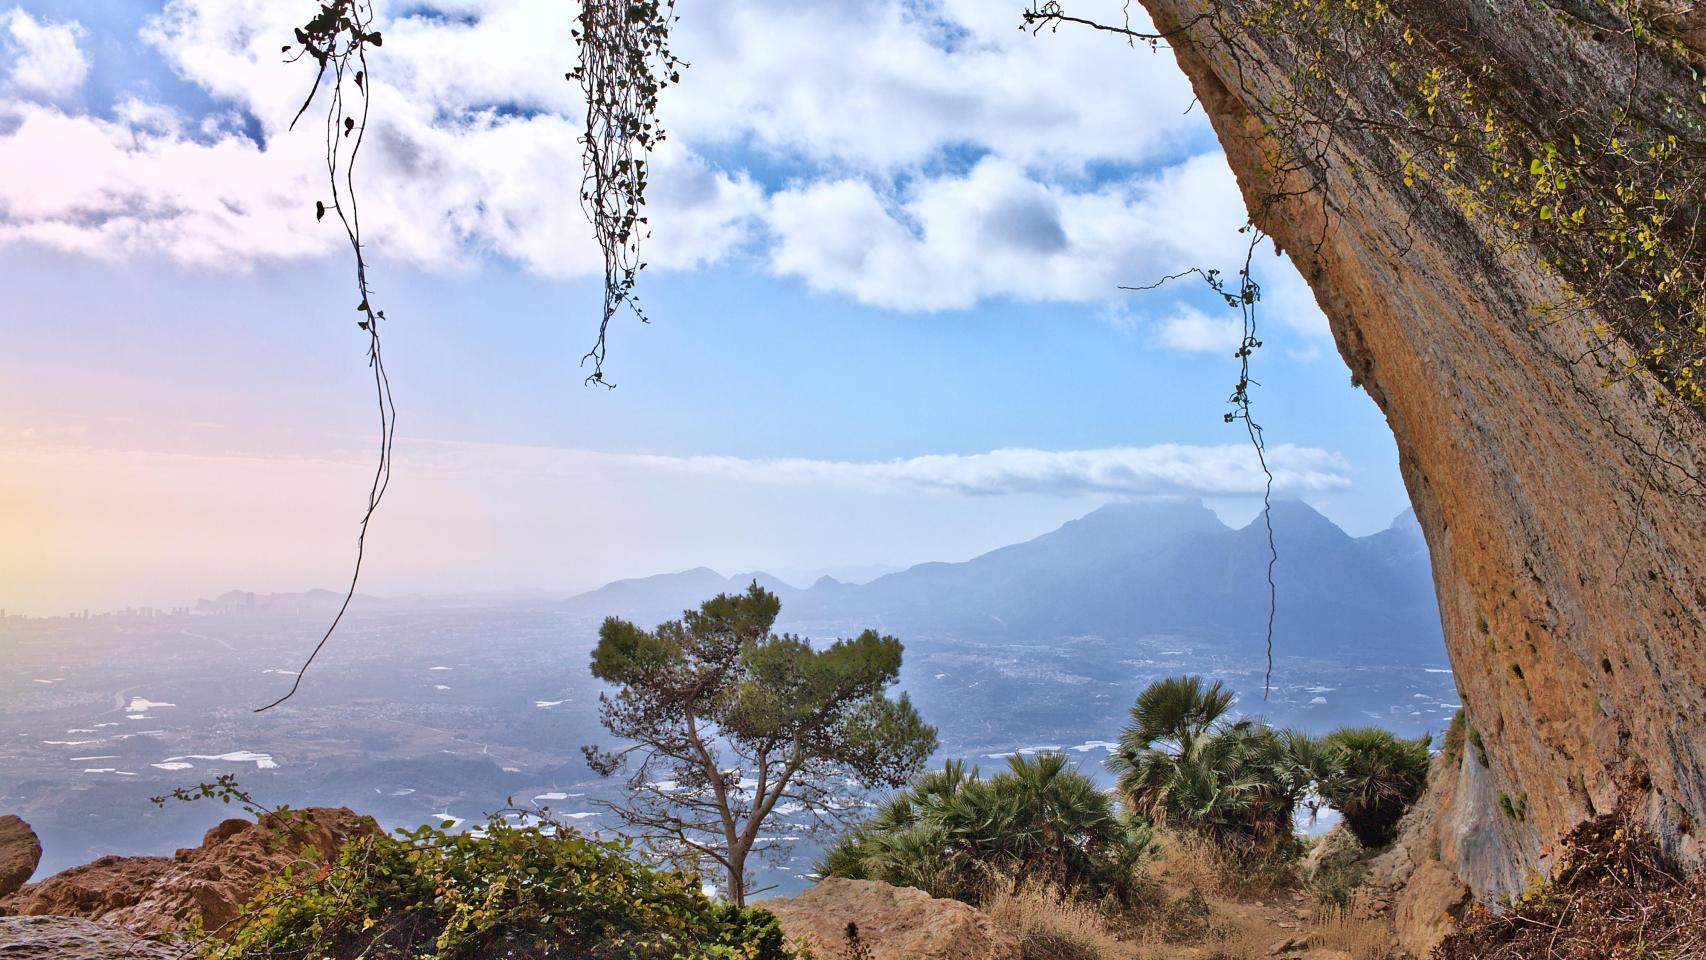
x=886, y=319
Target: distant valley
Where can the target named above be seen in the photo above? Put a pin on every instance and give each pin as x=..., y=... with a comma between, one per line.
x=449, y=707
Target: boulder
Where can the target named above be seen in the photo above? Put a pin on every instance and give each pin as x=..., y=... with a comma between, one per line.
x=895, y=923
x=206, y=883
x=20, y=851
x=72, y=938
x=1427, y=907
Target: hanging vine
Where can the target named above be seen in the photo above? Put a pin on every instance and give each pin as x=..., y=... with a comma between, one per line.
x=1244, y=296
x=337, y=40
x=625, y=62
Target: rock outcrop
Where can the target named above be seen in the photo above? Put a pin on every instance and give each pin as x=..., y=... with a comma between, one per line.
x=71, y=938
x=206, y=883
x=1432, y=900
x=1558, y=484
x=20, y=852
x=1336, y=849
x=895, y=923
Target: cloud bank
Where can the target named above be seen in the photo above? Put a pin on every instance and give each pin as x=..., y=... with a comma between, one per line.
x=1225, y=470
x=939, y=158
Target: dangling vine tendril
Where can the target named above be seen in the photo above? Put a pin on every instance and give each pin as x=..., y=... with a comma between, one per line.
x=1244, y=298
x=337, y=40
x=625, y=60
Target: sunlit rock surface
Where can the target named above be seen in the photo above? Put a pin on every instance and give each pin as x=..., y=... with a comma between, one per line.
x=1564, y=516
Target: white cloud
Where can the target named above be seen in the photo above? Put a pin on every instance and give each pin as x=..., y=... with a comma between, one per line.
x=137, y=185
x=1192, y=330
x=877, y=85
x=1130, y=471
x=472, y=152
x=951, y=241
x=45, y=59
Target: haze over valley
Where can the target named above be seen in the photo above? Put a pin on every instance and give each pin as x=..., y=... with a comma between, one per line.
x=449, y=707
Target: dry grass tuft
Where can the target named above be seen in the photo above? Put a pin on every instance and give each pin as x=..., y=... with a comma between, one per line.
x=1191, y=861
x=1052, y=927
x=1362, y=936
x=1241, y=939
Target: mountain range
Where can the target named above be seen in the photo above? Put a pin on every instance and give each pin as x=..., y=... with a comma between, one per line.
x=1163, y=567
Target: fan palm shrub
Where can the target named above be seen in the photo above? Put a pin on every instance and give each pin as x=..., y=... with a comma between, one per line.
x=1184, y=762
x=955, y=834
x=1373, y=780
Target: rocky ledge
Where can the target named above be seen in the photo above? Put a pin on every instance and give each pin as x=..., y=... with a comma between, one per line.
x=153, y=895
x=71, y=938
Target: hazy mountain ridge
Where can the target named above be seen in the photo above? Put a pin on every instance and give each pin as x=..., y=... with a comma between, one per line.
x=1124, y=570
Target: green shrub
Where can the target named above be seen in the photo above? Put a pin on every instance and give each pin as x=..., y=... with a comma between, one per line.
x=1336, y=884
x=1375, y=778
x=1455, y=736
x=953, y=834
x=1184, y=762
x=527, y=892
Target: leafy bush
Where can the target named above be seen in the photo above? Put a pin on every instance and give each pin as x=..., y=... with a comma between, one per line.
x=527, y=892
x=953, y=834
x=1183, y=762
x=1373, y=780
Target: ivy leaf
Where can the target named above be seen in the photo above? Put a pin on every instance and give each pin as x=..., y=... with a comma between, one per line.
x=319, y=210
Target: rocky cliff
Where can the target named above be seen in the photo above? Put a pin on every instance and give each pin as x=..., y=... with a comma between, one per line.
x=1477, y=192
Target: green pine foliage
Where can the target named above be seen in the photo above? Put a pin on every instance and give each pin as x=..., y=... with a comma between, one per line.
x=715, y=702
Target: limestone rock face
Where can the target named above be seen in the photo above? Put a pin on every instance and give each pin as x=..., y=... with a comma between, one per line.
x=1564, y=514
x=897, y=923
x=207, y=883
x=71, y=938
x=20, y=851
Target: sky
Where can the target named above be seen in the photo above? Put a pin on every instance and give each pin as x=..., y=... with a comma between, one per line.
x=884, y=282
